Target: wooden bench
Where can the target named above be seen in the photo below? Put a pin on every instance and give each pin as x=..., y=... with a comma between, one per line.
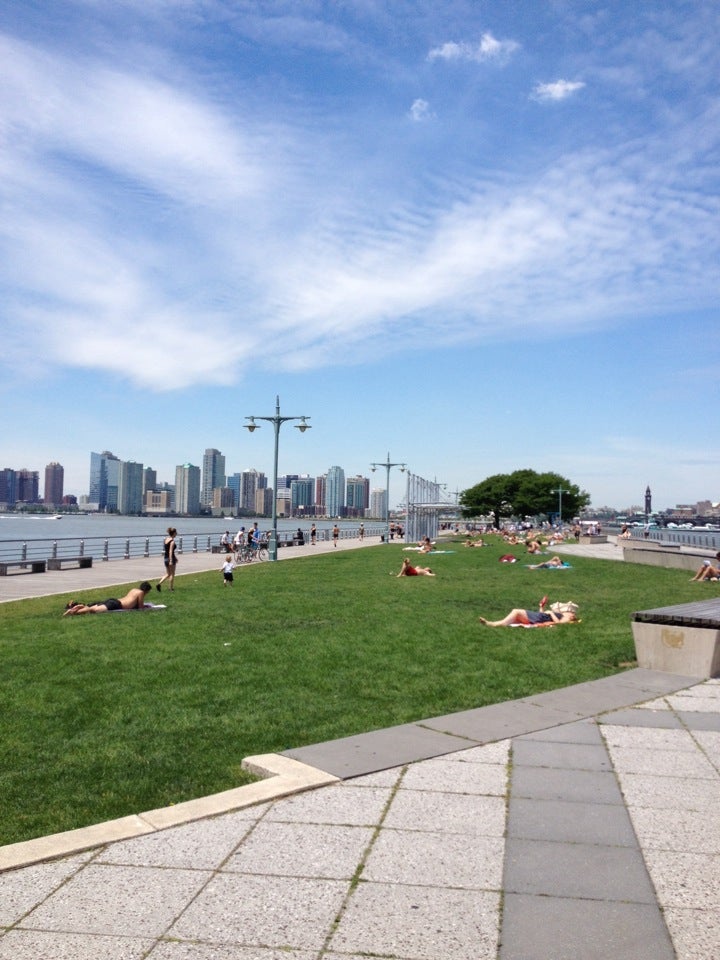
x=56, y=563
x=36, y=566
x=684, y=638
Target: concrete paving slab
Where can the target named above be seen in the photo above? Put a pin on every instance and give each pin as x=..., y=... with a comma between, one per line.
x=701, y=721
x=555, y=928
x=199, y=951
x=418, y=923
x=587, y=871
x=436, y=859
x=281, y=912
x=641, y=718
x=302, y=850
x=365, y=753
x=648, y=738
x=201, y=845
x=118, y=901
x=689, y=831
x=452, y=777
x=500, y=721
x=448, y=812
x=567, y=756
x=687, y=880
x=585, y=786
x=23, y=889
x=693, y=940
x=41, y=945
x=583, y=731
x=570, y=822
x=341, y=804
x=669, y=793
x=672, y=763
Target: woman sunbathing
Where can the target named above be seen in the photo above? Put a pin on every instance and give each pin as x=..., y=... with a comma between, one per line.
x=532, y=618
x=407, y=570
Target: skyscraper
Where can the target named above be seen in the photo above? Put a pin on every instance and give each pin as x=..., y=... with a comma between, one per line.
x=54, y=479
x=357, y=495
x=335, y=492
x=130, y=487
x=187, y=489
x=8, y=488
x=28, y=486
x=103, y=480
x=213, y=475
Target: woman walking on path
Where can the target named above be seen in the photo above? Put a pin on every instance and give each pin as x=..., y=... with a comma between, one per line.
x=169, y=559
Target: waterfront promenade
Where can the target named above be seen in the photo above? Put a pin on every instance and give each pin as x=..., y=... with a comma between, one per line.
x=577, y=824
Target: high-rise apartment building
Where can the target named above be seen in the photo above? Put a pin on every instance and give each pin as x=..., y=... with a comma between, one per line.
x=8, y=488
x=187, y=489
x=149, y=480
x=357, y=495
x=28, y=486
x=130, y=487
x=213, y=475
x=104, y=471
x=335, y=492
x=54, y=481
x=320, y=494
x=301, y=496
x=378, y=503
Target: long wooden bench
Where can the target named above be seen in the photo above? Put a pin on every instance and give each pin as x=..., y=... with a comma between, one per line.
x=57, y=563
x=24, y=566
x=684, y=638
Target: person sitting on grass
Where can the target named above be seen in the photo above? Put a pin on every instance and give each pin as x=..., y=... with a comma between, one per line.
x=407, y=570
x=133, y=600
x=707, y=571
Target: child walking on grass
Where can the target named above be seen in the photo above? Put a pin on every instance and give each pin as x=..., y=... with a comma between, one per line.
x=227, y=570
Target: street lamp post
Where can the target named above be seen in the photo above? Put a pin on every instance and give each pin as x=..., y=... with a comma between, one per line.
x=387, y=465
x=277, y=421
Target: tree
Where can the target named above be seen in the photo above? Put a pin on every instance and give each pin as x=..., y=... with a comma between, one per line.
x=523, y=493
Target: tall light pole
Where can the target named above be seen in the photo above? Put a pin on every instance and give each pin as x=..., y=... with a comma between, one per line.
x=387, y=465
x=559, y=491
x=277, y=421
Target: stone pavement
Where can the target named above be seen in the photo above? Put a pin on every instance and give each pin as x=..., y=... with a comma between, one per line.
x=573, y=825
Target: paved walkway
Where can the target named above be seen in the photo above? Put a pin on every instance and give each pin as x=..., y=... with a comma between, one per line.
x=573, y=825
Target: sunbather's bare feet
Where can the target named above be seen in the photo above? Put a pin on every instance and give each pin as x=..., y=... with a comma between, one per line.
x=483, y=621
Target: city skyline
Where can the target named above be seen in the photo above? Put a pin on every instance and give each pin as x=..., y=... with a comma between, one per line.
x=482, y=237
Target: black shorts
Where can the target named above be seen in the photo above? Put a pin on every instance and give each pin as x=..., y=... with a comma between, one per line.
x=112, y=604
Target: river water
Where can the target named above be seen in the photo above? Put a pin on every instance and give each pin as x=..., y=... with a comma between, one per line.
x=45, y=536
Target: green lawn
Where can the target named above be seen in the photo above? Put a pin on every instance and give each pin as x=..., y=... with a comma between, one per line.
x=109, y=715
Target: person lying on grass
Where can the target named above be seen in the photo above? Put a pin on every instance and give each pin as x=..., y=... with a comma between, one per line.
x=558, y=613
x=554, y=562
x=407, y=570
x=133, y=600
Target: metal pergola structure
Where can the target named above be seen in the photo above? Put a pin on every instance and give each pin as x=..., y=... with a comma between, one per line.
x=423, y=505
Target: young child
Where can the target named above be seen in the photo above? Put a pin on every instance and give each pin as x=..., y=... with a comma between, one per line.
x=227, y=570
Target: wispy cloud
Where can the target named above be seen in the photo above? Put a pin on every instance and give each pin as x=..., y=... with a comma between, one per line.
x=486, y=49
x=420, y=111
x=558, y=90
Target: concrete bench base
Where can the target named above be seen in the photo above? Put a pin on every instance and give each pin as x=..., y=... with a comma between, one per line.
x=57, y=563
x=23, y=566
x=601, y=538
x=683, y=639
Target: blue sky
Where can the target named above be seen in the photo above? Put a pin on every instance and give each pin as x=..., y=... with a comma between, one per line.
x=479, y=235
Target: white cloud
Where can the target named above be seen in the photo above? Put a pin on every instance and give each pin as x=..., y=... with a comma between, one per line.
x=488, y=48
x=420, y=111
x=559, y=90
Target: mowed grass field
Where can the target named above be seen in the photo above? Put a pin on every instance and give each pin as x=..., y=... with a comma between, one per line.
x=103, y=716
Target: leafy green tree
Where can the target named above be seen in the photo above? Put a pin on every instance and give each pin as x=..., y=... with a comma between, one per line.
x=523, y=493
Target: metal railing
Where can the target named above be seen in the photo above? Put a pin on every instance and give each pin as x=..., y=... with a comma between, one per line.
x=125, y=548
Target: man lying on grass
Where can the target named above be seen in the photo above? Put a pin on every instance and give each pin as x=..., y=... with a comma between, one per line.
x=133, y=600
